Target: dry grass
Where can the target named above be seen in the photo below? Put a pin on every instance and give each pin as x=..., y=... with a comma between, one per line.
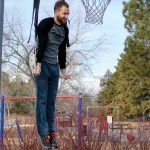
x=73, y=136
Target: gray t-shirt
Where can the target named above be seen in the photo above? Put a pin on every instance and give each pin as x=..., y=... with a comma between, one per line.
x=55, y=38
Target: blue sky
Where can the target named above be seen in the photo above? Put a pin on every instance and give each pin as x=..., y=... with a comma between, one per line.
x=112, y=28
x=115, y=34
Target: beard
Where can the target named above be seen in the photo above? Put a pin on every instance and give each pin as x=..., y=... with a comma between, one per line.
x=61, y=20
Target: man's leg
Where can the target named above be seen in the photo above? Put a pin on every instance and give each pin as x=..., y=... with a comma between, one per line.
x=52, y=92
x=41, y=119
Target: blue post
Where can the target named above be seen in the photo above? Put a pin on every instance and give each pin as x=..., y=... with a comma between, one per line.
x=1, y=122
x=80, y=107
x=79, y=119
x=1, y=36
x=19, y=131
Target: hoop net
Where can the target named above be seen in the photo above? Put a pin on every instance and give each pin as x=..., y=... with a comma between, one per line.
x=95, y=10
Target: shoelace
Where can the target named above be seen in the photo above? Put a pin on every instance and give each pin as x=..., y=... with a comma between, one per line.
x=47, y=138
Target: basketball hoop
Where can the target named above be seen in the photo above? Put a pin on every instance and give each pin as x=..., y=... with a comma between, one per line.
x=95, y=10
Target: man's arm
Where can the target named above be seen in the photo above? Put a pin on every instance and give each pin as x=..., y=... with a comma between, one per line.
x=41, y=47
x=41, y=40
x=62, y=55
x=62, y=62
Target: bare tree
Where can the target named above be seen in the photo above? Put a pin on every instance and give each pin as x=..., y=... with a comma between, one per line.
x=81, y=54
x=17, y=53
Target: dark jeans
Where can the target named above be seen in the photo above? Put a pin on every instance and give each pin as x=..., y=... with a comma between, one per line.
x=46, y=86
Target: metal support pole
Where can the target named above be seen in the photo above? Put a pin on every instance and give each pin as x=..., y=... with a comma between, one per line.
x=79, y=121
x=19, y=131
x=1, y=36
x=1, y=121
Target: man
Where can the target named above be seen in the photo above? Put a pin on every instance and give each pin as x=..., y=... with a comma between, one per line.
x=50, y=58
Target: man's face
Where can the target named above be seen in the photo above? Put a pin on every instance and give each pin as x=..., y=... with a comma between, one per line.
x=62, y=14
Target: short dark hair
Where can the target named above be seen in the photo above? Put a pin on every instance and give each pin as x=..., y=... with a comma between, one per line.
x=59, y=4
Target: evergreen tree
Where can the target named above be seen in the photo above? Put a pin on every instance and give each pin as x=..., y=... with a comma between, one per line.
x=19, y=88
x=106, y=84
x=131, y=81
x=135, y=62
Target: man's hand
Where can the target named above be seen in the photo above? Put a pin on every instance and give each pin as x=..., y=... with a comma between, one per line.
x=64, y=74
x=37, y=69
